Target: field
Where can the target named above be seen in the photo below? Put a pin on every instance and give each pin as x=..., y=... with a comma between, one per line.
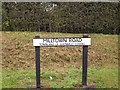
x=63, y=64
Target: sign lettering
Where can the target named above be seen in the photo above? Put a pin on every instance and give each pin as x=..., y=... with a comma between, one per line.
x=73, y=41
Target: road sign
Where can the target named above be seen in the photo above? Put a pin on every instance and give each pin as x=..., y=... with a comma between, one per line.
x=71, y=41
x=85, y=41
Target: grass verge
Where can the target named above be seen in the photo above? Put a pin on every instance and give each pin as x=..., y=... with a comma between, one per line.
x=64, y=64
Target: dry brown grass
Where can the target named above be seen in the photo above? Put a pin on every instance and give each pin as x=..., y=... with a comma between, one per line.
x=18, y=51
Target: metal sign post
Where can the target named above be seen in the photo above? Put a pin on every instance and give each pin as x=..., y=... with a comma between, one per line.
x=85, y=41
x=84, y=63
x=37, y=51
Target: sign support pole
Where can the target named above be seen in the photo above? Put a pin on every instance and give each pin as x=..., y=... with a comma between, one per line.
x=37, y=51
x=85, y=63
x=85, y=42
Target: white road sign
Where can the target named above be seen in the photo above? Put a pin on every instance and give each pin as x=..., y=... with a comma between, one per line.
x=73, y=41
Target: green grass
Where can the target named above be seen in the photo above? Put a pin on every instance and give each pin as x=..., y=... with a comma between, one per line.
x=101, y=78
x=63, y=64
x=17, y=78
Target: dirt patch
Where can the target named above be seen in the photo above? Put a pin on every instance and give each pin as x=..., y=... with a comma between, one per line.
x=81, y=86
x=18, y=52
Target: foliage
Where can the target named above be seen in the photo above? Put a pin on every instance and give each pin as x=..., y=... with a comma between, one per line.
x=68, y=17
